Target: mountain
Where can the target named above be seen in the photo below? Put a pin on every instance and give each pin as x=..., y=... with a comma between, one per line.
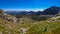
x=30, y=22
x=39, y=15
x=52, y=10
x=49, y=11
x=39, y=12
x=7, y=17
x=1, y=11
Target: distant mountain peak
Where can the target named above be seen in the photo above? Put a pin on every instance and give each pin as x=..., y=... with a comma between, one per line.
x=52, y=10
x=53, y=6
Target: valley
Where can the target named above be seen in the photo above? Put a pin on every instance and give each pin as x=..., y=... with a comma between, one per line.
x=45, y=22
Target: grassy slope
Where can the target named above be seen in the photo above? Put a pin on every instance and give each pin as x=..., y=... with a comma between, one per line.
x=6, y=26
x=49, y=26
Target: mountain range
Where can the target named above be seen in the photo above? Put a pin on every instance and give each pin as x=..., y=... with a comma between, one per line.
x=24, y=22
x=49, y=11
x=39, y=15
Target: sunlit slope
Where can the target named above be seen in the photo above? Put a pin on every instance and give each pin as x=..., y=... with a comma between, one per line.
x=49, y=26
x=7, y=27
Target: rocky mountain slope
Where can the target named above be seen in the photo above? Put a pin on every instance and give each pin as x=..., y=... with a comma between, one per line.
x=39, y=15
x=7, y=17
x=12, y=25
x=46, y=22
x=52, y=10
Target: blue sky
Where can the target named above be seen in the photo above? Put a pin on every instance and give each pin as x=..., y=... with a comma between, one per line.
x=27, y=4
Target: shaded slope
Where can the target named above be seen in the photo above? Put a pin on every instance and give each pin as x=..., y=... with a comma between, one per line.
x=52, y=10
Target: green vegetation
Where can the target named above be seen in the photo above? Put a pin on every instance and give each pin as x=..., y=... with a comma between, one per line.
x=49, y=26
x=29, y=24
x=7, y=27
